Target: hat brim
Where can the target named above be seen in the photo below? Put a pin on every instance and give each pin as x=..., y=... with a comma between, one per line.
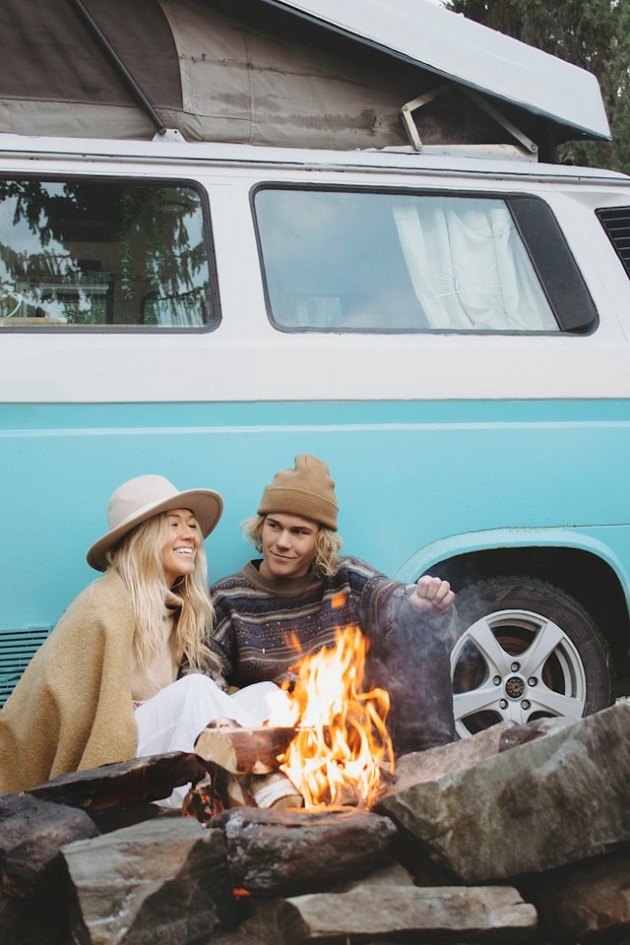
x=206, y=506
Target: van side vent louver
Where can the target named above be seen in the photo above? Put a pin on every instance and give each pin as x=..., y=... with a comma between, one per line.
x=17, y=647
x=616, y=223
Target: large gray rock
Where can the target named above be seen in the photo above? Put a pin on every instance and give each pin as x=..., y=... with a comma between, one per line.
x=123, y=783
x=563, y=797
x=588, y=902
x=32, y=885
x=158, y=881
x=32, y=833
x=387, y=912
x=289, y=852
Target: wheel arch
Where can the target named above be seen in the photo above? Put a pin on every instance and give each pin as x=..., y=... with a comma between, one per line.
x=585, y=567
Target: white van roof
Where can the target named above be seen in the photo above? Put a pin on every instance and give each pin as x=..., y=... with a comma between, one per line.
x=427, y=34
x=332, y=74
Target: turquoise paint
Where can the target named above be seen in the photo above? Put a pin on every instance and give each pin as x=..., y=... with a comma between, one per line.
x=409, y=477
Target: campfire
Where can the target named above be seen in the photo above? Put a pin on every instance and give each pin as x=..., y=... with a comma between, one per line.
x=329, y=747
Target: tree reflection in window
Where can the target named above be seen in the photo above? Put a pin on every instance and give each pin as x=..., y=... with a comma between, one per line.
x=103, y=253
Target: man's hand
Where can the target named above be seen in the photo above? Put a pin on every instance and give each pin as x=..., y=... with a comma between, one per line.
x=432, y=594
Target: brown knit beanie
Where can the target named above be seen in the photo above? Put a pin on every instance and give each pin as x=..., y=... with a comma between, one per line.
x=306, y=490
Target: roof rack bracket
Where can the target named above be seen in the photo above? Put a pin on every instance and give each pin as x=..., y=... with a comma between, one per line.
x=527, y=147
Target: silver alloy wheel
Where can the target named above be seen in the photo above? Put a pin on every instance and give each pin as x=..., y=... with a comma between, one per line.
x=518, y=665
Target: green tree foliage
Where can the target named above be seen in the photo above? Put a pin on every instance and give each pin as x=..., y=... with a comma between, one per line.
x=592, y=34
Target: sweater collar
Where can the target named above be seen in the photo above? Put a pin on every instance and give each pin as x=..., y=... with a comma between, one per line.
x=278, y=587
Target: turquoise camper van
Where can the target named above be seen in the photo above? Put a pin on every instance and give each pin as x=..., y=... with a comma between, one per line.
x=366, y=252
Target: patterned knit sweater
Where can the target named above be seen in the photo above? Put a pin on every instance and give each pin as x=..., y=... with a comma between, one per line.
x=262, y=626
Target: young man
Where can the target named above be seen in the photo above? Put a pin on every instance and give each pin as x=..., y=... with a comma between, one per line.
x=290, y=603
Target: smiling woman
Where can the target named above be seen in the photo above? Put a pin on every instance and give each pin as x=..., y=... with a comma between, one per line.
x=126, y=671
x=179, y=552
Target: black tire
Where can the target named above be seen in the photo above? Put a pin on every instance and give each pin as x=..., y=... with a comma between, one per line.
x=527, y=650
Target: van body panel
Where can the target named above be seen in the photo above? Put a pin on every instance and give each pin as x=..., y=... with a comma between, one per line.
x=414, y=480
x=414, y=366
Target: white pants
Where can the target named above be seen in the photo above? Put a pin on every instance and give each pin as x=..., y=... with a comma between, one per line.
x=172, y=719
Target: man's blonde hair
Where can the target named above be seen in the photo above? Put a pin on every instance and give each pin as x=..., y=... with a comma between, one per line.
x=138, y=560
x=327, y=545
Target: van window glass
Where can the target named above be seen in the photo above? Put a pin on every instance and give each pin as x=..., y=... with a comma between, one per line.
x=103, y=254
x=358, y=261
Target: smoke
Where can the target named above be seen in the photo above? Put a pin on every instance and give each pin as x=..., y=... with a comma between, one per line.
x=413, y=664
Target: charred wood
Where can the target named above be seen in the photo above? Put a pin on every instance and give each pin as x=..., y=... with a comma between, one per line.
x=221, y=790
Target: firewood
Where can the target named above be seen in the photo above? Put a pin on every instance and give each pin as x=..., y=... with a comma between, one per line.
x=206, y=798
x=243, y=750
x=274, y=791
x=223, y=790
x=237, y=793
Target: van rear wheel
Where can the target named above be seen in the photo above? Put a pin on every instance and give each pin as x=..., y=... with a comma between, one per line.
x=528, y=650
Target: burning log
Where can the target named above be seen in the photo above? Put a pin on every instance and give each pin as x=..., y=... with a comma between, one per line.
x=222, y=790
x=275, y=791
x=243, y=769
x=243, y=750
x=332, y=744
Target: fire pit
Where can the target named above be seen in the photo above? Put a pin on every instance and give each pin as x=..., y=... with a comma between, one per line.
x=328, y=748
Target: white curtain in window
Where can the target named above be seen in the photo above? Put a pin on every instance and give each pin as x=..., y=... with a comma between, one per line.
x=468, y=266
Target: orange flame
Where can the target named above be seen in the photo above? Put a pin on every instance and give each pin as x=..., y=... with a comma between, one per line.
x=342, y=739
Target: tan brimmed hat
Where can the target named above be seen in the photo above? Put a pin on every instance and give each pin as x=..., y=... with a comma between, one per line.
x=139, y=499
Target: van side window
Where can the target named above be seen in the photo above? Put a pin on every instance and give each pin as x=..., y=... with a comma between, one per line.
x=341, y=261
x=104, y=254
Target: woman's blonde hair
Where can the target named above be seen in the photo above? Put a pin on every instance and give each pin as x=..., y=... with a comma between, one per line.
x=327, y=545
x=138, y=560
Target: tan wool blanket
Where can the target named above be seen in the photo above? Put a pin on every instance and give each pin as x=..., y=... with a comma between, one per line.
x=72, y=708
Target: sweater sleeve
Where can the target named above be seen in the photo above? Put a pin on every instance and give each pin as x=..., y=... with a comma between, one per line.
x=221, y=639
x=384, y=602
x=379, y=598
